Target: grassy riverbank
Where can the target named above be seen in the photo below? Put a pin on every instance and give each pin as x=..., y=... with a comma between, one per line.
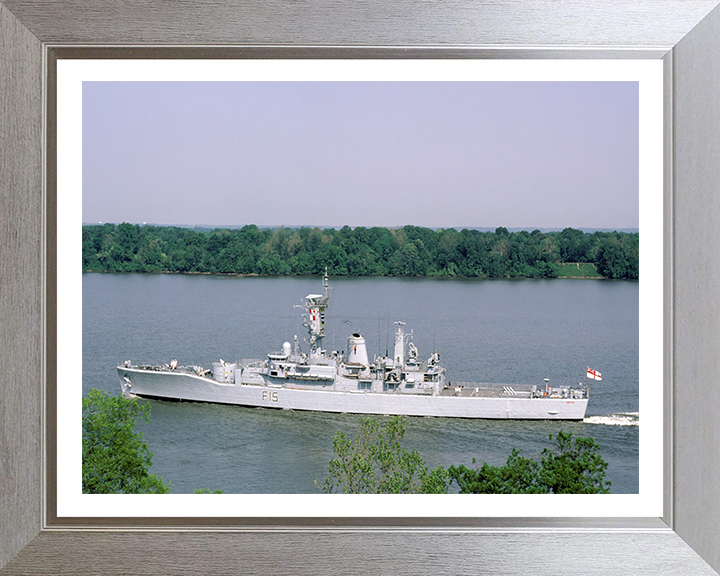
x=578, y=270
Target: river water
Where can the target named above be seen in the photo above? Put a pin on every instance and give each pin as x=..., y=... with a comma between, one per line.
x=507, y=331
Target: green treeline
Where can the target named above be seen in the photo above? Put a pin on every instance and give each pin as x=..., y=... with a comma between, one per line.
x=407, y=251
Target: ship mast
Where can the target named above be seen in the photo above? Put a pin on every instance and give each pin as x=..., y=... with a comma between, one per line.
x=314, y=320
x=399, y=354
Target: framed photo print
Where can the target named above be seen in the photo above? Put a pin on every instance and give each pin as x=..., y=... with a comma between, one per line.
x=454, y=203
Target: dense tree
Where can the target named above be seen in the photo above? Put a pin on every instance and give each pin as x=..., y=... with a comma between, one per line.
x=407, y=251
x=115, y=458
x=612, y=262
x=569, y=468
x=573, y=245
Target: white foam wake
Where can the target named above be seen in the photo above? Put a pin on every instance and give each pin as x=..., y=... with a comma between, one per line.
x=619, y=419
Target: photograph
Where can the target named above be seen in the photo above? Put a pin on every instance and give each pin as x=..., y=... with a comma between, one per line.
x=394, y=287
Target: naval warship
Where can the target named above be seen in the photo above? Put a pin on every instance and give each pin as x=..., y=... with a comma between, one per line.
x=348, y=382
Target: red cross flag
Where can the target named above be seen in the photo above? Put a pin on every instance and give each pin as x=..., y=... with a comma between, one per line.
x=594, y=374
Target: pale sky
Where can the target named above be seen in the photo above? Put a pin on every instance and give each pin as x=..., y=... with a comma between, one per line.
x=435, y=154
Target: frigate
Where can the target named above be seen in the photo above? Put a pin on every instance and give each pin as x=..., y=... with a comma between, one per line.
x=348, y=382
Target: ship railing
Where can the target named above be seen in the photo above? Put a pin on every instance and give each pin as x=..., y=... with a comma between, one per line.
x=154, y=367
x=493, y=386
x=517, y=390
x=492, y=389
x=194, y=369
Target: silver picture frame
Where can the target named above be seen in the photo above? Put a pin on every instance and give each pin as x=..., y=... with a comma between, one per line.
x=684, y=34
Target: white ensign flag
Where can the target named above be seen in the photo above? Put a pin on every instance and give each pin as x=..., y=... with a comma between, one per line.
x=594, y=374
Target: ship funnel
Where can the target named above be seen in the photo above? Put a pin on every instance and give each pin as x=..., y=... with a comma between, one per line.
x=357, y=352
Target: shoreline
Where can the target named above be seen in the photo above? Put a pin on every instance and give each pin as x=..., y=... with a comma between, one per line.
x=251, y=275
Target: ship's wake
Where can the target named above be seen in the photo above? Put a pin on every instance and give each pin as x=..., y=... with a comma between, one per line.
x=619, y=419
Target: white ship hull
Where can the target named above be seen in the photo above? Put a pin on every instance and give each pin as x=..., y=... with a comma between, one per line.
x=171, y=385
